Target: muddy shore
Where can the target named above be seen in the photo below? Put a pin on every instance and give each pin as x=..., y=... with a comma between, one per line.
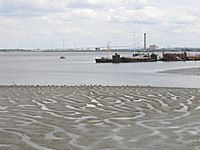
x=99, y=117
x=184, y=71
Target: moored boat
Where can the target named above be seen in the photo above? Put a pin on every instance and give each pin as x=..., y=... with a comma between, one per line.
x=117, y=59
x=103, y=60
x=62, y=57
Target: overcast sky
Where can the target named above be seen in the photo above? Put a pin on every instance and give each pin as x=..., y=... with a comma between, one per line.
x=91, y=23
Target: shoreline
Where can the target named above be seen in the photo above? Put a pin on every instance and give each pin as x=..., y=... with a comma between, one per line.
x=94, y=86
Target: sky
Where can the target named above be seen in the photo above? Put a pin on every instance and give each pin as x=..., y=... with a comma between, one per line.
x=95, y=23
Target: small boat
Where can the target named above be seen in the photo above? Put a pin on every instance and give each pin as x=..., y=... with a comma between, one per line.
x=62, y=57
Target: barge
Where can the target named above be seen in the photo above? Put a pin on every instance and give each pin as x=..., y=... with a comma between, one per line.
x=180, y=57
x=118, y=59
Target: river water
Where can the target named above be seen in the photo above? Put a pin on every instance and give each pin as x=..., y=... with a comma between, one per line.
x=46, y=68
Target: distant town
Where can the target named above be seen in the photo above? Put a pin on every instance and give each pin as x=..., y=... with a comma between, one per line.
x=108, y=48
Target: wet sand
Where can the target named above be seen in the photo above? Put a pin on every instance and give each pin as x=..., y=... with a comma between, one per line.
x=184, y=71
x=99, y=118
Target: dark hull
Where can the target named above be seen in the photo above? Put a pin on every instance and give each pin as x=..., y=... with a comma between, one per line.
x=126, y=60
x=143, y=59
x=103, y=60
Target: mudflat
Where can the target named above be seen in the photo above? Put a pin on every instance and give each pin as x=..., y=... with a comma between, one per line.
x=183, y=71
x=99, y=118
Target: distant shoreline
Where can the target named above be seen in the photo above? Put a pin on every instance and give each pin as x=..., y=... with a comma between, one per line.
x=103, y=50
x=93, y=86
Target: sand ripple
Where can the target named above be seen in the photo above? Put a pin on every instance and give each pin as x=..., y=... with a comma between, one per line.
x=100, y=118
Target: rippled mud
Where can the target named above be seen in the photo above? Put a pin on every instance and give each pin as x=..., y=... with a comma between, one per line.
x=99, y=118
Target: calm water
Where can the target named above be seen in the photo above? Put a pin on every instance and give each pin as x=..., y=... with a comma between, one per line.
x=37, y=68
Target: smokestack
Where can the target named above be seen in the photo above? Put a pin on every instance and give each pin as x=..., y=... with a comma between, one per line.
x=145, y=41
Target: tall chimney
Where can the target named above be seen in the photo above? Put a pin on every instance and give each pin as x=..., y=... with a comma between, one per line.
x=145, y=41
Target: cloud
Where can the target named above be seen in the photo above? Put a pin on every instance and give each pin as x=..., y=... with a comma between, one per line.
x=181, y=15
x=95, y=4
x=188, y=29
x=147, y=15
x=27, y=7
x=98, y=19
